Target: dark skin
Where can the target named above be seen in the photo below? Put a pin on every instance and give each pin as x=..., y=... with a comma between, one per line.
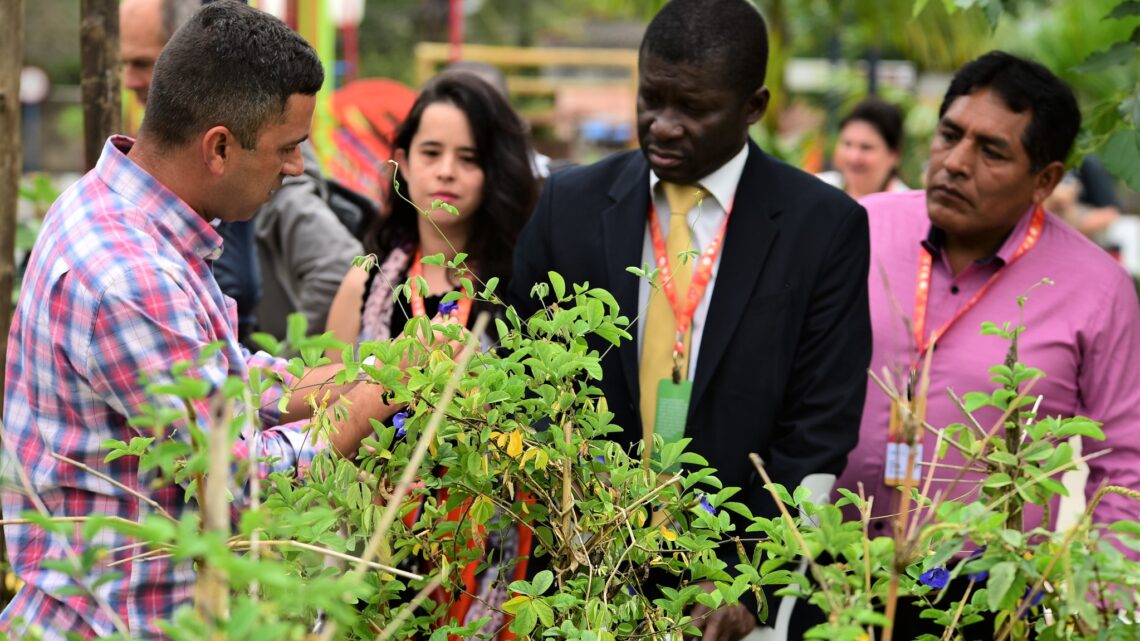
x=690, y=121
x=979, y=178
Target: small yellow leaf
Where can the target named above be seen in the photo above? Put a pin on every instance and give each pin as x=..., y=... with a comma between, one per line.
x=669, y=535
x=514, y=605
x=515, y=444
x=638, y=518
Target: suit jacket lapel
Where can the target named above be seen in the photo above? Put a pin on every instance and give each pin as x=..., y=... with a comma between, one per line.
x=623, y=231
x=751, y=229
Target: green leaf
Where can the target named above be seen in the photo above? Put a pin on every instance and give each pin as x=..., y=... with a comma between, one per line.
x=1003, y=458
x=1119, y=54
x=781, y=492
x=558, y=283
x=489, y=290
x=998, y=480
x=517, y=603
x=524, y=621
x=975, y=400
x=1125, y=9
x=544, y=612
x=296, y=326
x=482, y=509
x=435, y=259
x=999, y=582
x=542, y=582
x=1080, y=426
x=1126, y=527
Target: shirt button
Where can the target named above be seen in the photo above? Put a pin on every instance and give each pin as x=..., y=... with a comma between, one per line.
x=954, y=289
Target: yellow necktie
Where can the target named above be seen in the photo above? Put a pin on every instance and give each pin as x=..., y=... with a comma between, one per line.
x=660, y=323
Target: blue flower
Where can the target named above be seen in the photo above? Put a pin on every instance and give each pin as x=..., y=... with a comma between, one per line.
x=398, y=420
x=981, y=575
x=448, y=307
x=629, y=589
x=935, y=577
x=706, y=506
x=600, y=459
x=1036, y=599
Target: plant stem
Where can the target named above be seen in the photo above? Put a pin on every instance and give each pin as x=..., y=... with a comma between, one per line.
x=68, y=549
x=409, y=474
x=815, y=571
x=93, y=472
x=407, y=610
x=213, y=590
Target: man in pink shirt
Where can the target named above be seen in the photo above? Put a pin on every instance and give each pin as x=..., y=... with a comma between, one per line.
x=1006, y=126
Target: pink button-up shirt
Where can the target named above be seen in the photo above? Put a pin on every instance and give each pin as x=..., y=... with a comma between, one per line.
x=1083, y=332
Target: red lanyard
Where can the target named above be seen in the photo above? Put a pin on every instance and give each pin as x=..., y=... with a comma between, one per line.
x=462, y=306
x=922, y=288
x=683, y=311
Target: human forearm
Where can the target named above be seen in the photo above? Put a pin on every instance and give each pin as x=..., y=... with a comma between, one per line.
x=365, y=402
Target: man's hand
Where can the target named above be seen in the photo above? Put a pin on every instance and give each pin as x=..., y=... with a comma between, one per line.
x=726, y=623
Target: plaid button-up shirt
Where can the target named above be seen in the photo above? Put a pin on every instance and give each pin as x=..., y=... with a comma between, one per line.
x=118, y=285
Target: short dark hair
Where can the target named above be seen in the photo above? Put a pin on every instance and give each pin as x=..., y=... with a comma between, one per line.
x=1025, y=85
x=725, y=36
x=230, y=65
x=885, y=117
x=510, y=188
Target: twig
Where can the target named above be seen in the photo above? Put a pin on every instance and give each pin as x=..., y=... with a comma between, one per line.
x=409, y=474
x=213, y=590
x=330, y=553
x=68, y=549
x=759, y=465
x=407, y=610
x=958, y=613
x=93, y=472
x=926, y=426
x=971, y=421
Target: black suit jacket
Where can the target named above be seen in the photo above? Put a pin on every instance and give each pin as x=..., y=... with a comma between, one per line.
x=782, y=364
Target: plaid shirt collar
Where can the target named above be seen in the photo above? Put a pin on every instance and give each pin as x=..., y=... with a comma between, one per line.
x=184, y=226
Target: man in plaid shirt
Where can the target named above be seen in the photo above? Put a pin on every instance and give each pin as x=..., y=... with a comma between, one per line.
x=119, y=285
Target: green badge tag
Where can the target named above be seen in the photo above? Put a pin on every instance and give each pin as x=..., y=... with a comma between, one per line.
x=672, y=409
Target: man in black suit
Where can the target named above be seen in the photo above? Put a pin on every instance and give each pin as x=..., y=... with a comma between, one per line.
x=780, y=340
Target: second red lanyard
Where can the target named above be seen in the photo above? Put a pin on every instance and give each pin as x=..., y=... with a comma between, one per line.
x=922, y=286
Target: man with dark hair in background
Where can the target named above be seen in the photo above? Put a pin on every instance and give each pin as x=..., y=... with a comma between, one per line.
x=963, y=252
x=293, y=256
x=119, y=287
x=772, y=359
x=144, y=28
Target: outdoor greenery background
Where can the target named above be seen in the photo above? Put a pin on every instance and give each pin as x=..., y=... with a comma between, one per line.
x=936, y=35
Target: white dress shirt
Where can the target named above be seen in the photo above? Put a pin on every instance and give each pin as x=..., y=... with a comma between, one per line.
x=705, y=222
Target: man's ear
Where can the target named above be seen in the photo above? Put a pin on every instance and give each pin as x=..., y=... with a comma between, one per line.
x=218, y=147
x=1046, y=180
x=757, y=105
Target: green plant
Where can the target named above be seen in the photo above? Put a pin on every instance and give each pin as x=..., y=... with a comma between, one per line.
x=1071, y=584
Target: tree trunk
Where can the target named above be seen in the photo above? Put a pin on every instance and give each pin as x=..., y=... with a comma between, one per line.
x=11, y=160
x=99, y=51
